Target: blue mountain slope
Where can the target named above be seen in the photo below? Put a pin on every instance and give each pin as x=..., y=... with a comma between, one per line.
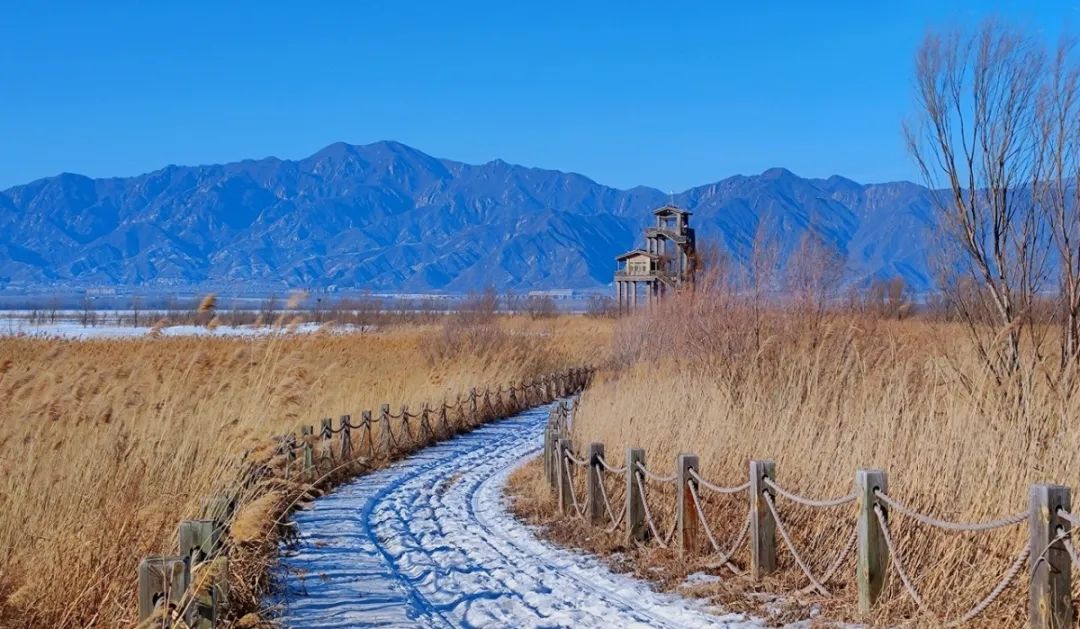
x=386, y=216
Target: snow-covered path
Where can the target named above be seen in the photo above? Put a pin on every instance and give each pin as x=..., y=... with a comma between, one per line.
x=429, y=542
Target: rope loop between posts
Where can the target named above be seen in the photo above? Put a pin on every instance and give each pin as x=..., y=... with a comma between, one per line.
x=718, y=488
x=898, y=567
x=662, y=540
x=610, y=468
x=655, y=477
x=838, y=561
x=576, y=461
x=956, y=527
x=578, y=510
x=811, y=502
x=1068, y=517
x=725, y=560
x=615, y=521
x=791, y=547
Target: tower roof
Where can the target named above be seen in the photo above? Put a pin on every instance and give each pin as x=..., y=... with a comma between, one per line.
x=669, y=210
x=637, y=252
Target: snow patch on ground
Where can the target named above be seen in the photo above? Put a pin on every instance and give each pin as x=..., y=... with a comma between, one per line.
x=69, y=330
x=429, y=542
x=700, y=578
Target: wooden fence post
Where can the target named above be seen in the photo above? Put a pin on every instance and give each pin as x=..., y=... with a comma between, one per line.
x=686, y=510
x=345, y=449
x=548, y=470
x=290, y=453
x=873, y=553
x=425, y=424
x=636, y=530
x=326, y=433
x=162, y=581
x=405, y=432
x=306, y=433
x=200, y=543
x=384, y=424
x=595, y=499
x=365, y=420
x=566, y=503
x=762, y=524
x=1050, y=593
x=199, y=540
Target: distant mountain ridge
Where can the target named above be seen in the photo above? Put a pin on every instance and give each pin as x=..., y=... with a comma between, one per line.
x=388, y=217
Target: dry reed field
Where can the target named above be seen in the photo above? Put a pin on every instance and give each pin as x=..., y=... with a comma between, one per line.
x=106, y=444
x=824, y=395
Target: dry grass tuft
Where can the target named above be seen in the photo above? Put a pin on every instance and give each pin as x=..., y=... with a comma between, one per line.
x=823, y=395
x=105, y=445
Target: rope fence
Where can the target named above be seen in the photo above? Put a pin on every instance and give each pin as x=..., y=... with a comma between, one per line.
x=1047, y=558
x=190, y=589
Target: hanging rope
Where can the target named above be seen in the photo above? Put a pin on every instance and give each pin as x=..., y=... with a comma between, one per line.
x=726, y=558
x=615, y=522
x=610, y=468
x=717, y=488
x=580, y=511
x=811, y=502
x=956, y=527
x=655, y=477
x=791, y=547
x=662, y=540
x=844, y=552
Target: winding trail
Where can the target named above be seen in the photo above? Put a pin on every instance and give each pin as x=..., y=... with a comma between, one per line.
x=428, y=542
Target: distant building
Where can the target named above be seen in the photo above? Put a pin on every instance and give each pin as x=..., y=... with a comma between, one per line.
x=665, y=266
x=555, y=293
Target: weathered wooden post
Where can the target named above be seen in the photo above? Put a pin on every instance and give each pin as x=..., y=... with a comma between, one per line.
x=873, y=553
x=162, y=582
x=345, y=428
x=1050, y=593
x=425, y=424
x=444, y=421
x=326, y=434
x=306, y=433
x=685, y=510
x=384, y=426
x=762, y=524
x=566, y=502
x=200, y=543
x=199, y=540
x=594, y=478
x=405, y=432
x=365, y=420
x=548, y=469
x=636, y=529
x=289, y=444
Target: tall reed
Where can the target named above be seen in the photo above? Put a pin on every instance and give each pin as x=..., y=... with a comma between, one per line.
x=105, y=445
x=824, y=394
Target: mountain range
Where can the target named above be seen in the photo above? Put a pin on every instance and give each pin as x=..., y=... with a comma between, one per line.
x=388, y=217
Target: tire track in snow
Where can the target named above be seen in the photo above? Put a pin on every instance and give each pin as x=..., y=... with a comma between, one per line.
x=428, y=542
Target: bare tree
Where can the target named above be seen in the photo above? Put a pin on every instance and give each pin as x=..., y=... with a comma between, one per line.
x=1058, y=137
x=978, y=98
x=136, y=307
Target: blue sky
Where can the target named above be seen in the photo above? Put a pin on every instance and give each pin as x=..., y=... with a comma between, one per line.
x=668, y=94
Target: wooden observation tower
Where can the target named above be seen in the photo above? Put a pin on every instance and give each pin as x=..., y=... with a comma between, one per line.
x=665, y=266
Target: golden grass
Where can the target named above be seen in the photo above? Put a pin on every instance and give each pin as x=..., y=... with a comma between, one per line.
x=105, y=445
x=823, y=396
